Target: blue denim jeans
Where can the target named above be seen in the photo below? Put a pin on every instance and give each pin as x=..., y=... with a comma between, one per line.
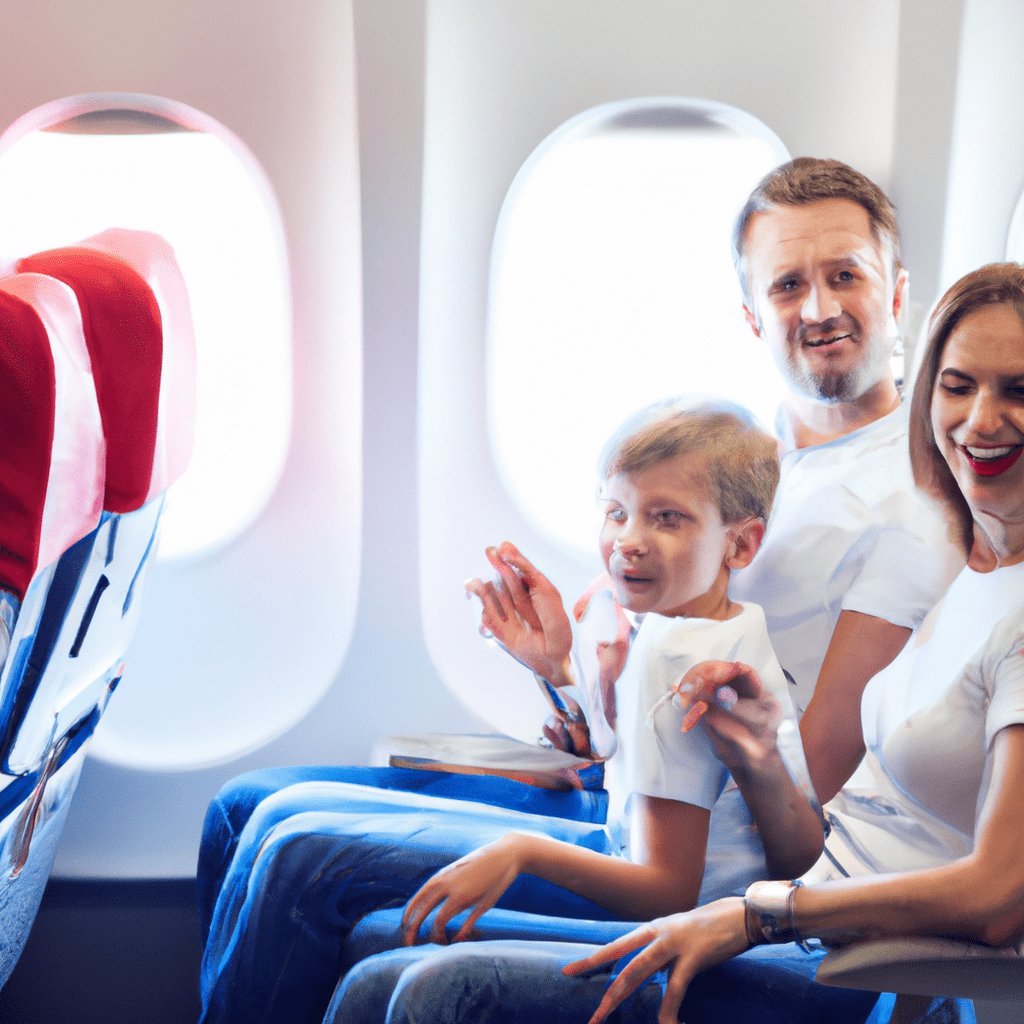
x=511, y=981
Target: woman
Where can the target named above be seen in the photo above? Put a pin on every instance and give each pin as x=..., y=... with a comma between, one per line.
x=944, y=724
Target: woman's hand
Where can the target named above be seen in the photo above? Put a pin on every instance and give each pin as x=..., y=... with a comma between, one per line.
x=696, y=940
x=476, y=880
x=740, y=716
x=523, y=610
x=742, y=719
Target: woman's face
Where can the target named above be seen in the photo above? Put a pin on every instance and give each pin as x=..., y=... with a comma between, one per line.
x=978, y=412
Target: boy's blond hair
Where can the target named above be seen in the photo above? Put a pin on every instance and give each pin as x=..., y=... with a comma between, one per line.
x=741, y=460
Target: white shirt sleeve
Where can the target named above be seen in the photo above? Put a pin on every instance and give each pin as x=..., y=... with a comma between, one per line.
x=1004, y=666
x=664, y=761
x=908, y=564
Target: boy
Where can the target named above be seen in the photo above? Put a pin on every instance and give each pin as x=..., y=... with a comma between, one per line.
x=687, y=494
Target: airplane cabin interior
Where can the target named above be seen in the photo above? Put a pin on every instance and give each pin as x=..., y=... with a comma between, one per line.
x=413, y=261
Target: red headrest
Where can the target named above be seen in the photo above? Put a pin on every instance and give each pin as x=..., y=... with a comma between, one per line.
x=121, y=323
x=51, y=444
x=28, y=398
x=153, y=258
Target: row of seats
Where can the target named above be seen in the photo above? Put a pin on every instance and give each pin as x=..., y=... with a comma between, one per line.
x=97, y=405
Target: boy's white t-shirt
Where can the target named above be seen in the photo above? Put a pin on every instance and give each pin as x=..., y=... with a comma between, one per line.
x=655, y=757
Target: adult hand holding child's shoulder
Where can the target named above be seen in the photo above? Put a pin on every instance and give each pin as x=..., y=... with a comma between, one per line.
x=741, y=716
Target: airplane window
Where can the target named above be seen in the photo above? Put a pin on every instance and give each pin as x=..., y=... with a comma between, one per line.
x=612, y=285
x=76, y=167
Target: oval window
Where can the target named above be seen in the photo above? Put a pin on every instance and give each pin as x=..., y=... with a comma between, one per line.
x=612, y=286
x=77, y=166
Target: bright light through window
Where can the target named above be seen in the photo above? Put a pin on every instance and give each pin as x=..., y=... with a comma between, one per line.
x=191, y=188
x=612, y=286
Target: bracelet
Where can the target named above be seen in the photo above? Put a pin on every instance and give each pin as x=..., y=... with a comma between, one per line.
x=769, y=915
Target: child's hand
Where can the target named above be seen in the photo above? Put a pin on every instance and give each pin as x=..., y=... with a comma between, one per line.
x=523, y=610
x=477, y=880
x=740, y=717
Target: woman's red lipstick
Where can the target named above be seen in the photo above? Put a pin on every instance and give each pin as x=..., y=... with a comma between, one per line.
x=993, y=467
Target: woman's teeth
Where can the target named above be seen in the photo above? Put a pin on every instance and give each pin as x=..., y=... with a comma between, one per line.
x=989, y=453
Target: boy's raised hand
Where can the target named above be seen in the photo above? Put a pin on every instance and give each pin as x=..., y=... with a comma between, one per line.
x=523, y=610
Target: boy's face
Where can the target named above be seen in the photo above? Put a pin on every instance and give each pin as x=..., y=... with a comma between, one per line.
x=663, y=540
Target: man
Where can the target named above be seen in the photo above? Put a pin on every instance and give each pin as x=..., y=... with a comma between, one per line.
x=854, y=556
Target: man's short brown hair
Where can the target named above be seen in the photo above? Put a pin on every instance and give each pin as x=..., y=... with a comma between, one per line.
x=741, y=461
x=807, y=180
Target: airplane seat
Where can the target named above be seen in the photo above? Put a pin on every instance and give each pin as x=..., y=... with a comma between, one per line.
x=85, y=469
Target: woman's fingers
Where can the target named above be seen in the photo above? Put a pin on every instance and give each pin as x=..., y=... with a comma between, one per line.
x=612, y=951
x=679, y=979
x=716, y=684
x=630, y=978
x=703, y=679
x=697, y=709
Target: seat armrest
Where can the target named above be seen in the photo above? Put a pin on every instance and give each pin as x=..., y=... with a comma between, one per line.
x=922, y=965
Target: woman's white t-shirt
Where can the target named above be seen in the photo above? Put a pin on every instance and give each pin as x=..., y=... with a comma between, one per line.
x=929, y=719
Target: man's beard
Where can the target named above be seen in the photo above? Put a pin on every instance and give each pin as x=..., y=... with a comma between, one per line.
x=834, y=386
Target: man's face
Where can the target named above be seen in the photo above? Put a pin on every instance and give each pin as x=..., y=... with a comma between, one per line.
x=823, y=297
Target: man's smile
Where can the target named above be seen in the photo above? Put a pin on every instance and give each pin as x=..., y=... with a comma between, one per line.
x=822, y=342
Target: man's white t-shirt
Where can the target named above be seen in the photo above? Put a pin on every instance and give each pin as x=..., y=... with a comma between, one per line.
x=929, y=720
x=848, y=531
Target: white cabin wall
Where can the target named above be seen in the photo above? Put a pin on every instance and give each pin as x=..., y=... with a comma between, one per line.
x=929, y=55
x=987, y=158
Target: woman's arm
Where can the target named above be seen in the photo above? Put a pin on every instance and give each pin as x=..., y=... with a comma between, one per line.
x=978, y=898
x=744, y=738
x=668, y=840
x=861, y=646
